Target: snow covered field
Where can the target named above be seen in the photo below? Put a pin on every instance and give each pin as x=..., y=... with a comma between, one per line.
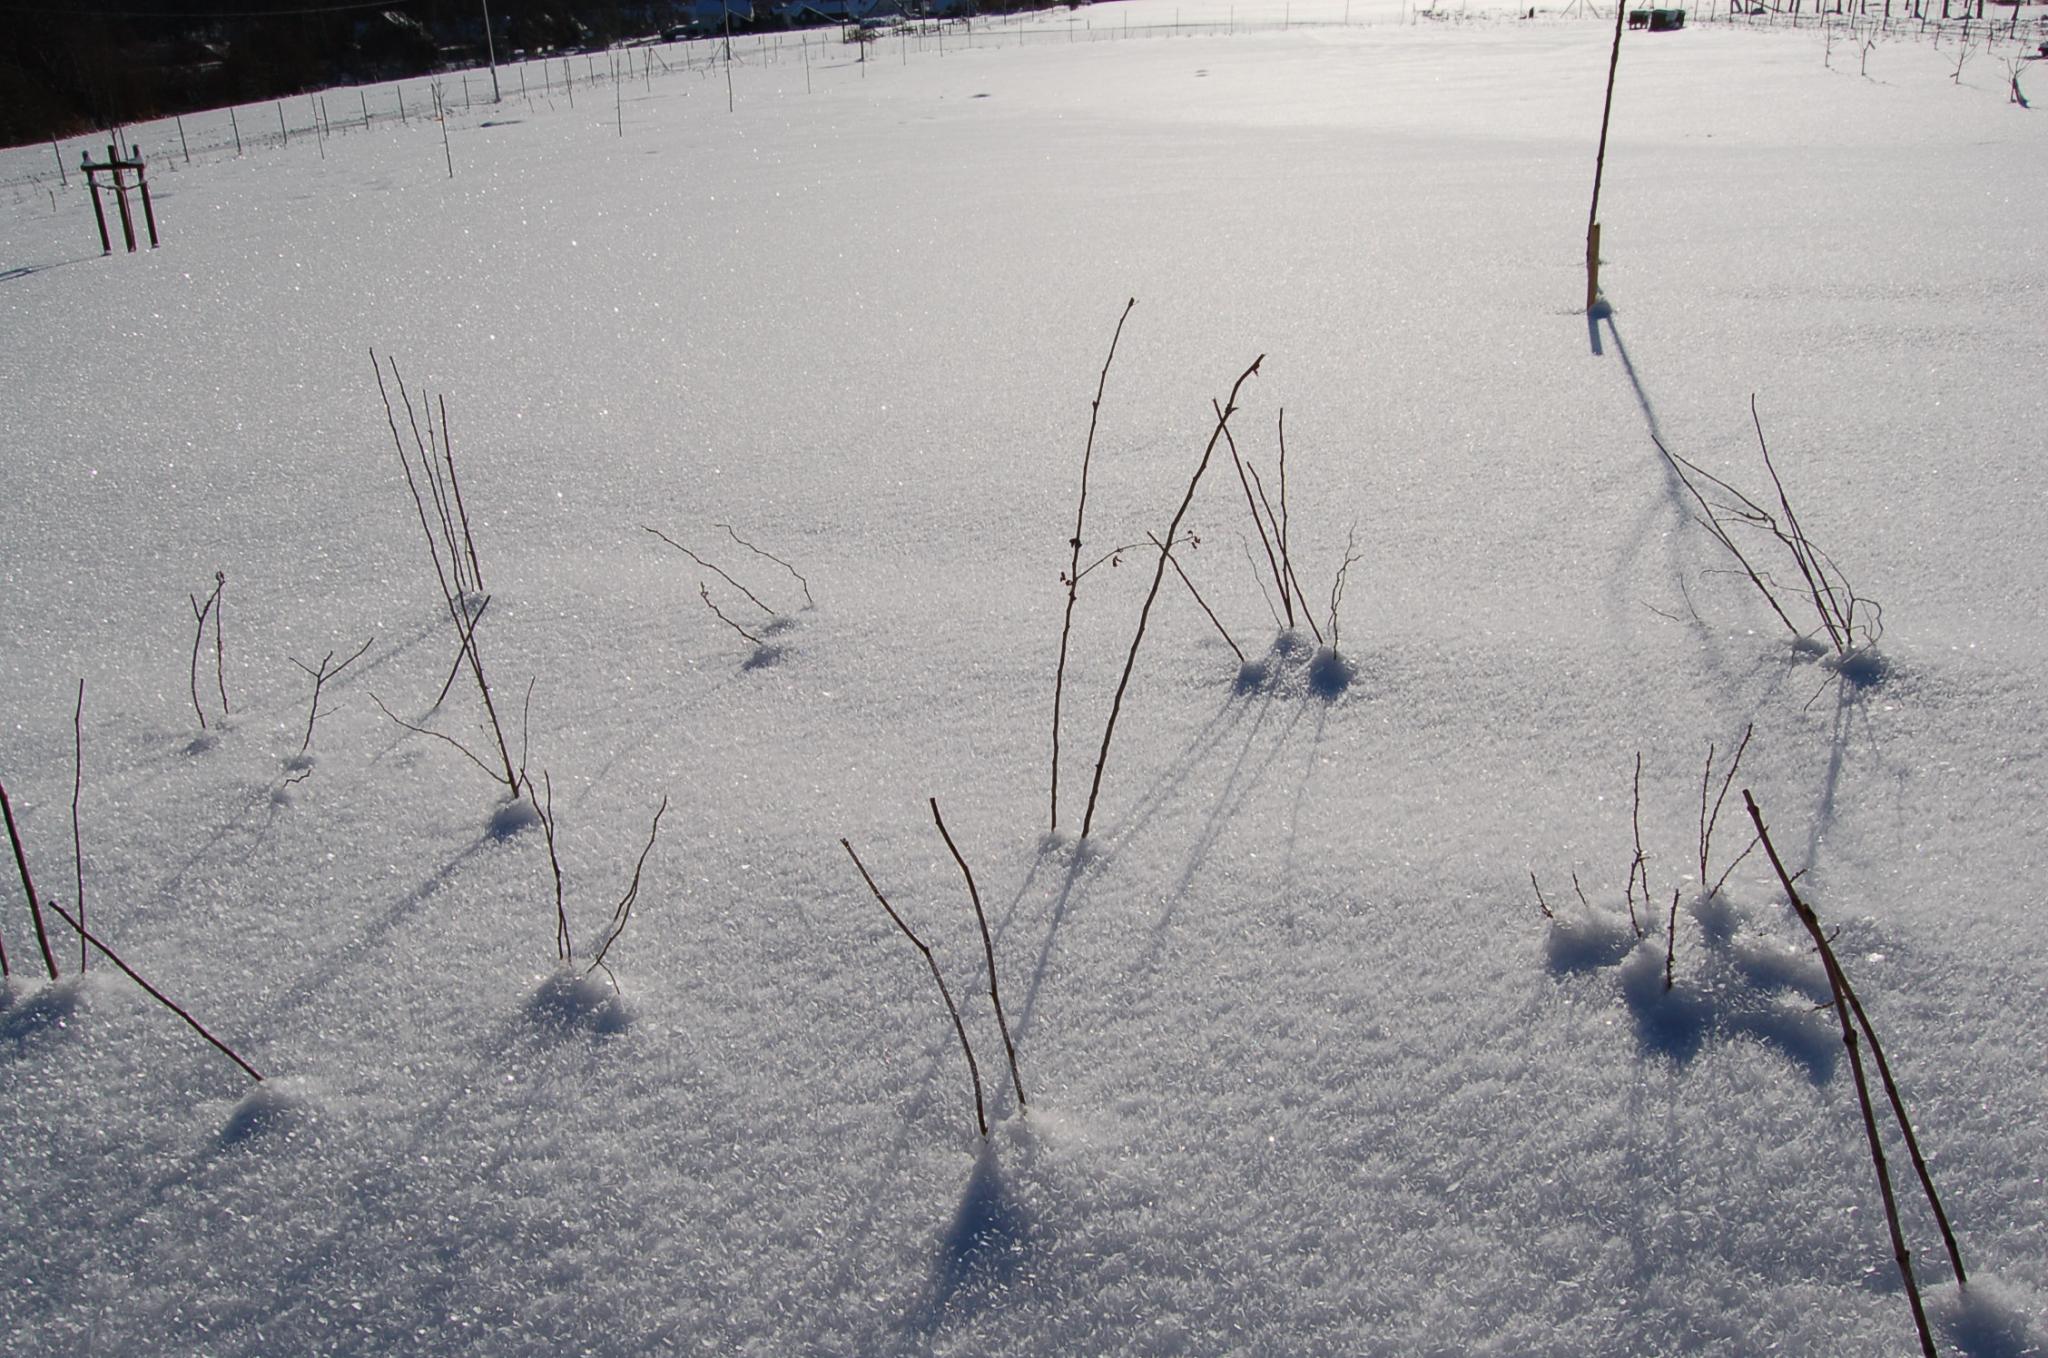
x=1308, y=1071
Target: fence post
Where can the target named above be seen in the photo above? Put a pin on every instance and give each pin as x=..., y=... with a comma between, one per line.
x=99, y=214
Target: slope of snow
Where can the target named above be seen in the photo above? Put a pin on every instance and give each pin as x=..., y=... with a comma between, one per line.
x=1307, y=1069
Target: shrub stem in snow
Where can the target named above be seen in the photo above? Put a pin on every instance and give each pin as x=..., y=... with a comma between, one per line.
x=959, y=1028
x=988, y=948
x=1853, y=1020
x=1059, y=678
x=158, y=995
x=28, y=885
x=1223, y=414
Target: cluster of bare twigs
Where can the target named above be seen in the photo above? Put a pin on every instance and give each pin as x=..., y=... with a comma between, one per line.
x=995, y=993
x=200, y=613
x=1849, y=620
x=77, y=922
x=1857, y=1030
x=429, y=462
x=1639, y=889
x=543, y=803
x=327, y=670
x=769, y=614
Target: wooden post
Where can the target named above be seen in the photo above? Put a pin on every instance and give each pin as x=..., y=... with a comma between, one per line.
x=99, y=213
x=121, y=196
x=284, y=134
x=181, y=141
x=235, y=124
x=1600, y=166
x=149, y=216
x=62, y=178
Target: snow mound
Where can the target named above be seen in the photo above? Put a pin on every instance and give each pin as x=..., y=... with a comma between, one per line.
x=40, y=1010
x=511, y=818
x=570, y=999
x=1987, y=1319
x=1294, y=664
x=270, y=1109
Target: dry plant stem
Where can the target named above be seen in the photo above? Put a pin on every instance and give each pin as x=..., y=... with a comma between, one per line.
x=804, y=584
x=220, y=663
x=959, y=1028
x=1638, y=866
x=1708, y=520
x=458, y=613
x=1832, y=615
x=327, y=670
x=1671, y=940
x=544, y=807
x=713, y=569
x=1285, y=552
x=1200, y=600
x=28, y=886
x=1286, y=561
x=77, y=841
x=1059, y=679
x=988, y=948
x=623, y=911
x=158, y=995
x=417, y=729
x=476, y=570
x=704, y=593
x=1351, y=558
x=468, y=637
x=1837, y=984
x=1222, y=431
x=1250, y=503
x=1541, y=904
x=200, y=613
x=1709, y=818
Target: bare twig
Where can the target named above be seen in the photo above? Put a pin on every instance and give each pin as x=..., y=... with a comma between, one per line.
x=1351, y=558
x=623, y=911
x=1838, y=986
x=959, y=1028
x=712, y=568
x=158, y=995
x=544, y=807
x=1252, y=504
x=462, y=652
x=78, y=787
x=417, y=729
x=1220, y=631
x=200, y=612
x=28, y=885
x=1639, y=865
x=328, y=670
x=704, y=593
x=1074, y=572
x=1286, y=560
x=805, y=584
x=1709, y=818
x=1222, y=430
x=1541, y=904
x=1671, y=939
x=988, y=948
x=220, y=663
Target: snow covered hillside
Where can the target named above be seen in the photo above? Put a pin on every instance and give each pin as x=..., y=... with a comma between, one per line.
x=1308, y=1071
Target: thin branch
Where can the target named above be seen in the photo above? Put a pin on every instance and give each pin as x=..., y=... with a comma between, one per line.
x=462, y=654
x=476, y=570
x=158, y=995
x=1222, y=430
x=1286, y=561
x=1272, y=562
x=704, y=593
x=199, y=616
x=427, y=731
x=28, y=885
x=1708, y=819
x=1670, y=940
x=544, y=807
x=1351, y=558
x=988, y=948
x=1838, y=986
x=1541, y=904
x=1639, y=865
x=320, y=678
x=959, y=1028
x=623, y=911
x=1199, y=599
x=805, y=584
x=713, y=569
x=220, y=663
x=77, y=787
x=1059, y=680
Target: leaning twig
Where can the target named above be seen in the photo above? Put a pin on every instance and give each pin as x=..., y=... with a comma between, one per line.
x=803, y=583
x=1541, y=904
x=1073, y=581
x=1223, y=414
x=1839, y=989
x=1671, y=940
x=417, y=729
x=200, y=613
x=544, y=807
x=220, y=671
x=77, y=788
x=988, y=948
x=959, y=1028
x=1252, y=504
x=1351, y=558
x=704, y=593
x=712, y=568
x=28, y=885
x=1638, y=867
x=158, y=995
x=623, y=911
x=1204, y=603
x=1709, y=818
x=462, y=653
x=1286, y=560
x=328, y=670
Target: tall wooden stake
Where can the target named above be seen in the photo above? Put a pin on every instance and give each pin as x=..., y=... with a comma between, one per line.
x=1600, y=167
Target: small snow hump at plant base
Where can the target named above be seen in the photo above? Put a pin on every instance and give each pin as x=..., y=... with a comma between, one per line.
x=570, y=999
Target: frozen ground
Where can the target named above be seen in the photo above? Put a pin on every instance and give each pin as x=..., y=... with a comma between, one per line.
x=1308, y=1071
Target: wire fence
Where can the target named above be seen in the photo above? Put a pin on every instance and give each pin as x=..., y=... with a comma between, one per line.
x=310, y=121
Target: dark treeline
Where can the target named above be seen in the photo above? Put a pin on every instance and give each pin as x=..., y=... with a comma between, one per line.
x=72, y=66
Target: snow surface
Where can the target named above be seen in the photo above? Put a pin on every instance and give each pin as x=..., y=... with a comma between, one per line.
x=1308, y=1071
